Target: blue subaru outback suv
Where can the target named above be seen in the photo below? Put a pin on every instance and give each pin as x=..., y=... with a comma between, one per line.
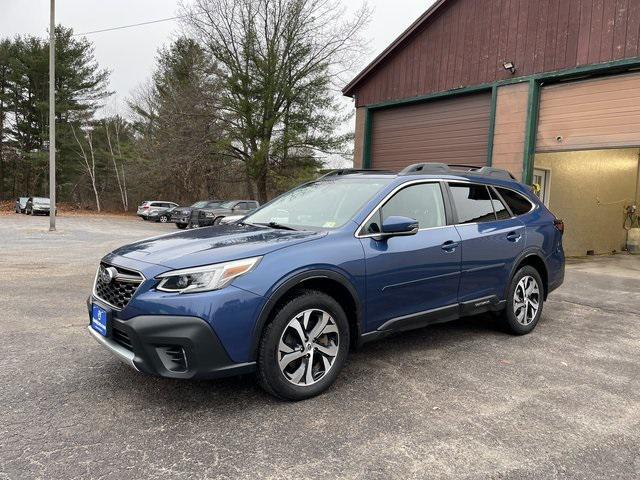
x=348, y=258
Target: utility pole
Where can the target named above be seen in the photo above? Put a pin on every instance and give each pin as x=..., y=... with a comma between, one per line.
x=52, y=117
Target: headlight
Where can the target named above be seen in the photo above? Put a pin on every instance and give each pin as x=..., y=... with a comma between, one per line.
x=207, y=278
x=208, y=214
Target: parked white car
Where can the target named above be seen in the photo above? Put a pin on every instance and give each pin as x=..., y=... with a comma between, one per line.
x=149, y=206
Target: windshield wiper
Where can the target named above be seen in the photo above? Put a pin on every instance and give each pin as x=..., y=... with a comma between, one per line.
x=278, y=226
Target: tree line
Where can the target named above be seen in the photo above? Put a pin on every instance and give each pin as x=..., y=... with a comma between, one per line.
x=242, y=104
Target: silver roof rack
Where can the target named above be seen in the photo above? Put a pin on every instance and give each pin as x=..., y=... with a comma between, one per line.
x=429, y=168
x=348, y=171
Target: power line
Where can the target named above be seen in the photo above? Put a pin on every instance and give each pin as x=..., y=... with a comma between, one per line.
x=129, y=26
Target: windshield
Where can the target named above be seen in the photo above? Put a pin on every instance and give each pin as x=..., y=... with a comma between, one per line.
x=40, y=200
x=199, y=205
x=326, y=204
x=227, y=204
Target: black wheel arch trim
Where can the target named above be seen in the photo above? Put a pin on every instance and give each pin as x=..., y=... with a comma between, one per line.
x=291, y=282
x=527, y=253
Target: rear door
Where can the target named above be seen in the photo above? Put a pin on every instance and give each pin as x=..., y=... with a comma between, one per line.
x=491, y=241
x=412, y=279
x=155, y=206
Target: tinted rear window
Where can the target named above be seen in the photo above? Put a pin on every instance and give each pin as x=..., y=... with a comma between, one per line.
x=517, y=203
x=473, y=203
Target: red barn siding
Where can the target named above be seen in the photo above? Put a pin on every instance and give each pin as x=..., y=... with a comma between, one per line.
x=465, y=42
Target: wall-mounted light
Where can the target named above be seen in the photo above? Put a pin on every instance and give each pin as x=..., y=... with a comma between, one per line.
x=509, y=66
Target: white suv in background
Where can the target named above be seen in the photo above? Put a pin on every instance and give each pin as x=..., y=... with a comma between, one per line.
x=153, y=206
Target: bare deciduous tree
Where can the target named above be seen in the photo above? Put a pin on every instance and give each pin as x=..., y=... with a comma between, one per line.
x=89, y=165
x=279, y=61
x=120, y=177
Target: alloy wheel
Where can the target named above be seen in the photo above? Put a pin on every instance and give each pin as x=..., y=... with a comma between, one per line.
x=526, y=300
x=308, y=347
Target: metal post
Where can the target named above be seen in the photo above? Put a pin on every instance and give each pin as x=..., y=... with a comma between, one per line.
x=52, y=117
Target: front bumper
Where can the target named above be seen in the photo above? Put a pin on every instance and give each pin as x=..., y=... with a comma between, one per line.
x=169, y=346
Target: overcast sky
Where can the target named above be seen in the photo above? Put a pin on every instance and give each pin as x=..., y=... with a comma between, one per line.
x=129, y=53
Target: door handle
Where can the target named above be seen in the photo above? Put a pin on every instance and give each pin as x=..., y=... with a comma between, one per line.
x=514, y=236
x=450, y=246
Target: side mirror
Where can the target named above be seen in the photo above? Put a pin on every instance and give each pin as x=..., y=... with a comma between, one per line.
x=396, y=226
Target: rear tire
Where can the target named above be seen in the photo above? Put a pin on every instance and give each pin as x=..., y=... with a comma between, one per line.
x=181, y=226
x=525, y=300
x=312, y=330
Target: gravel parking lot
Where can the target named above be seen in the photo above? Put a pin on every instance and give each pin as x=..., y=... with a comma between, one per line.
x=461, y=400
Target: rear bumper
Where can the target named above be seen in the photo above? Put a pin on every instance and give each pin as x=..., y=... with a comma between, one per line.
x=169, y=346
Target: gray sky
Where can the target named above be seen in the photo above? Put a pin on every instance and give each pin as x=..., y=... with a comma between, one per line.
x=129, y=54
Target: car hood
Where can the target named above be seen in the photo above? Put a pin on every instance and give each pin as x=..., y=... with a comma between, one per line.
x=182, y=210
x=215, y=210
x=210, y=245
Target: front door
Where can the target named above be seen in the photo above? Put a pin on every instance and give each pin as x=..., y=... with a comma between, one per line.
x=491, y=241
x=410, y=278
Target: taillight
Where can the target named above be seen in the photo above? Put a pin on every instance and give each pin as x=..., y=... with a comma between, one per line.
x=146, y=207
x=559, y=224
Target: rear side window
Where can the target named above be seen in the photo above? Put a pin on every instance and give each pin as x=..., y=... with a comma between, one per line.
x=517, y=203
x=473, y=203
x=502, y=212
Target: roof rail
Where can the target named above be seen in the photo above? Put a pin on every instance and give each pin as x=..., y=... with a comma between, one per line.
x=452, y=169
x=494, y=172
x=426, y=169
x=347, y=171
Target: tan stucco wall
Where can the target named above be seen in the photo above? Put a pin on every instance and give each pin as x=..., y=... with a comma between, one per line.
x=358, y=147
x=511, y=123
x=589, y=191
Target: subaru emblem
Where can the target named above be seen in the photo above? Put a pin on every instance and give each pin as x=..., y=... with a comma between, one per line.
x=107, y=275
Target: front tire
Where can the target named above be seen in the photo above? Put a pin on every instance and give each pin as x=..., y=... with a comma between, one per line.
x=181, y=226
x=304, y=347
x=163, y=219
x=525, y=300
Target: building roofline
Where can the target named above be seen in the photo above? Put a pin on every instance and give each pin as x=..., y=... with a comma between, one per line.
x=348, y=89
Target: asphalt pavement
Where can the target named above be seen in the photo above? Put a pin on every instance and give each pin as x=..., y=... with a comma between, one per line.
x=460, y=400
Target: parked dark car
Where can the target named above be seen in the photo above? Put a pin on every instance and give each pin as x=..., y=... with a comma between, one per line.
x=181, y=216
x=38, y=206
x=288, y=290
x=207, y=216
x=161, y=216
x=21, y=204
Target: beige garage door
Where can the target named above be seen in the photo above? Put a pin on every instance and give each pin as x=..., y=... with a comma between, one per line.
x=590, y=114
x=454, y=130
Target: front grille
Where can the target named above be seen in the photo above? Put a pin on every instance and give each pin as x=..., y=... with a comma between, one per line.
x=121, y=337
x=116, y=286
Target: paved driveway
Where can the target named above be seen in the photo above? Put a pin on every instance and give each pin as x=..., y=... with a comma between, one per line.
x=462, y=400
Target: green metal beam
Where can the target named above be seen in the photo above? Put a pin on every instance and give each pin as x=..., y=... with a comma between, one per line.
x=533, y=107
x=548, y=77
